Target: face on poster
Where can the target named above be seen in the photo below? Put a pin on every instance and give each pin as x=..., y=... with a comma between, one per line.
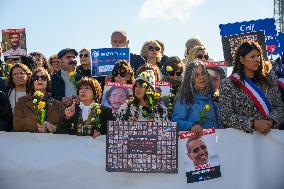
x=14, y=43
x=115, y=95
x=201, y=152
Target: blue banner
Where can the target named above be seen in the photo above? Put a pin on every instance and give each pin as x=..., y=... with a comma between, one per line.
x=103, y=60
x=281, y=42
x=266, y=25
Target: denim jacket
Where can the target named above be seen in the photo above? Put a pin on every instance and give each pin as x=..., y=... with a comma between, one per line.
x=187, y=115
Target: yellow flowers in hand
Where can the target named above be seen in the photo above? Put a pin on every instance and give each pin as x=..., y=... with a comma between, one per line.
x=72, y=74
x=41, y=105
x=38, y=94
x=169, y=69
x=99, y=111
x=207, y=107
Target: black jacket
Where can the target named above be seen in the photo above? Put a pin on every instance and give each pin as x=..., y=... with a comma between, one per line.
x=69, y=126
x=6, y=115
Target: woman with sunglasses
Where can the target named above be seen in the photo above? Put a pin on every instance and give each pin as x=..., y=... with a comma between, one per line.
x=194, y=108
x=38, y=112
x=146, y=103
x=152, y=52
x=173, y=69
x=18, y=82
x=84, y=70
x=122, y=73
x=87, y=118
x=198, y=52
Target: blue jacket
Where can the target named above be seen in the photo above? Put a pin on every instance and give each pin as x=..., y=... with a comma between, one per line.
x=187, y=115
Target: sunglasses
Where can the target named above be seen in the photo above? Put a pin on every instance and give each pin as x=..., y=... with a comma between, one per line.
x=151, y=48
x=202, y=147
x=172, y=73
x=85, y=55
x=42, y=77
x=200, y=56
x=122, y=74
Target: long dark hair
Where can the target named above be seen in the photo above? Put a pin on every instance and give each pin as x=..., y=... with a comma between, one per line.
x=260, y=75
x=186, y=93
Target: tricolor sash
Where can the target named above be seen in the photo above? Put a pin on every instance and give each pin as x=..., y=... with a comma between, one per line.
x=280, y=82
x=256, y=94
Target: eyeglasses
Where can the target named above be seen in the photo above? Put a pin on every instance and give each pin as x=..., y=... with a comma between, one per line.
x=85, y=55
x=122, y=74
x=151, y=48
x=200, y=56
x=172, y=73
x=19, y=74
x=202, y=147
x=42, y=77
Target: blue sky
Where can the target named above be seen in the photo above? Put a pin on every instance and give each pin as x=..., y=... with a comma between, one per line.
x=52, y=25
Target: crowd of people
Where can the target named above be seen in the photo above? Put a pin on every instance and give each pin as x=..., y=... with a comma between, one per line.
x=57, y=95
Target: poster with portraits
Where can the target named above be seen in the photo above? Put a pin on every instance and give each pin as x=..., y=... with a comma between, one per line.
x=14, y=43
x=116, y=94
x=141, y=147
x=232, y=43
x=201, y=159
x=104, y=59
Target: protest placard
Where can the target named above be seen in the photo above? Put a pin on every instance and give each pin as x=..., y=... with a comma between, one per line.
x=115, y=94
x=142, y=147
x=104, y=59
x=201, y=159
x=14, y=43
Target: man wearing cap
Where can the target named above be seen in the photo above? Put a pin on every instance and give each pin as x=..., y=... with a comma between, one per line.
x=63, y=84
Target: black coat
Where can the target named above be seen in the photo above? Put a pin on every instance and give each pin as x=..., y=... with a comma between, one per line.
x=69, y=126
x=6, y=115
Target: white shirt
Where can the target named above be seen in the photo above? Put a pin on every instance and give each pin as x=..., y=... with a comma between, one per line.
x=85, y=110
x=14, y=96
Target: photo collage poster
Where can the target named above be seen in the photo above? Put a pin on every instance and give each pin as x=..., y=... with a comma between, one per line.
x=142, y=147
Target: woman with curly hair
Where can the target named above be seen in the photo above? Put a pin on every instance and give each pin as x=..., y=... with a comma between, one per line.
x=37, y=111
x=146, y=103
x=122, y=73
x=195, y=108
x=249, y=99
x=18, y=82
x=87, y=118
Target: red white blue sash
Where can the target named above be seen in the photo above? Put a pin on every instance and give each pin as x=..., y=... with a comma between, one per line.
x=280, y=82
x=256, y=94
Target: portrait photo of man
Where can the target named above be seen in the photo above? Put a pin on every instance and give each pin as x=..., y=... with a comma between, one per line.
x=13, y=44
x=197, y=151
x=116, y=96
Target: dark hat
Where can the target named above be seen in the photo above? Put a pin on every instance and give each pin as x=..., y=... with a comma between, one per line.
x=64, y=51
